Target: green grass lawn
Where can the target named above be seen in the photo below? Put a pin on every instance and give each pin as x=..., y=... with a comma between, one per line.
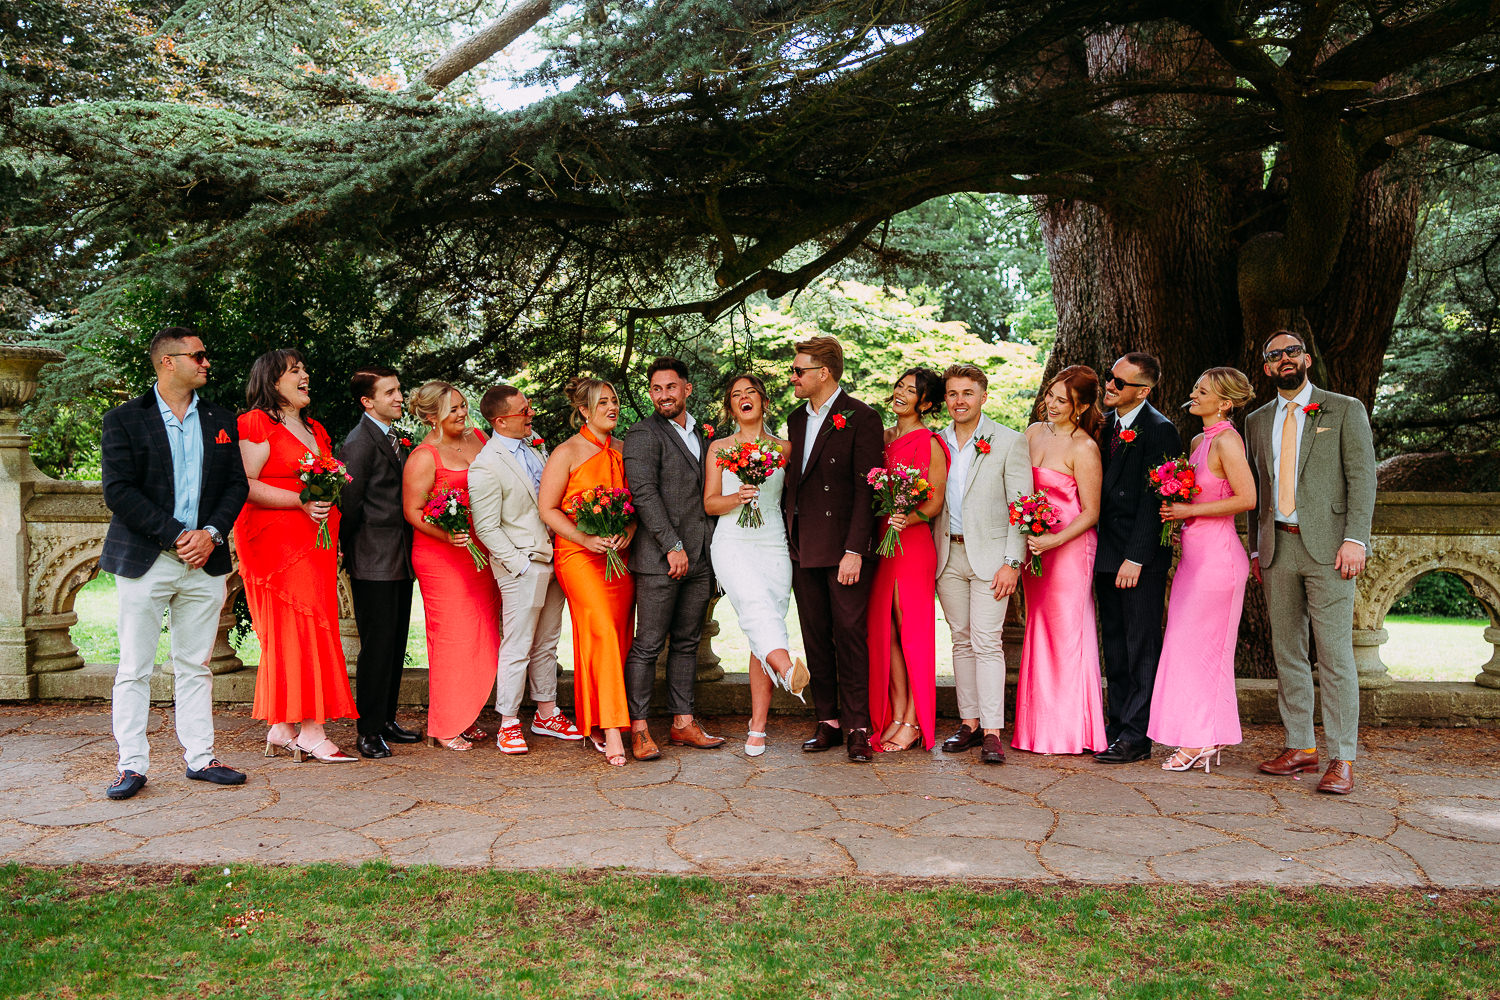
x=376, y=931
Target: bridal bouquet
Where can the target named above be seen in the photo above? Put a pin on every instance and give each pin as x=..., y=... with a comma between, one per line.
x=898, y=490
x=323, y=478
x=604, y=511
x=449, y=511
x=753, y=463
x=1174, y=481
x=1035, y=515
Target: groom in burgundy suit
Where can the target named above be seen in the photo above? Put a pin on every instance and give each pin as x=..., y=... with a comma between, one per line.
x=830, y=524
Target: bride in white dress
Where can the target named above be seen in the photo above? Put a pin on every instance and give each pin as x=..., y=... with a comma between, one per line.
x=753, y=565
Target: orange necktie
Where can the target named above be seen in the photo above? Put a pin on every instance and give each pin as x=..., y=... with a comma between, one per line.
x=1286, y=468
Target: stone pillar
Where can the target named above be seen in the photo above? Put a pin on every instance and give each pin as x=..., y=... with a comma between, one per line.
x=709, y=668
x=52, y=644
x=19, y=368
x=1489, y=674
x=1372, y=670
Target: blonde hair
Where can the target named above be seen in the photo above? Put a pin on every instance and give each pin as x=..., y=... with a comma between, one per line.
x=826, y=351
x=583, y=395
x=429, y=401
x=1229, y=384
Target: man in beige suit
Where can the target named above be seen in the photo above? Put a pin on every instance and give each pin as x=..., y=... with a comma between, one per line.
x=1314, y=462
x=979, y=556
x=503, y=483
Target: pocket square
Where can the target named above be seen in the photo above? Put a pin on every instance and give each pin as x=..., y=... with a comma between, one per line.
x=223, y=437
x=1320, y=430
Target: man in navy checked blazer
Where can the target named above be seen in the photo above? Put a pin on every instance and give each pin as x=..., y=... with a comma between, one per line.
x=174, y=481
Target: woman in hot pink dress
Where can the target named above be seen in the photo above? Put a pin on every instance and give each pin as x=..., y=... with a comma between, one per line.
x=902, y=622
x=462, y=603
x=1059, y=700
x=1193, y=704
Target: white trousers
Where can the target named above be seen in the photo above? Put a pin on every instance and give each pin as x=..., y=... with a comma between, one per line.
x=531, y=607
x=195, y=601
x=976, y=620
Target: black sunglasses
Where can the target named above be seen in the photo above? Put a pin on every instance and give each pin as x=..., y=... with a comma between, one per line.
x=1295, y=351
x=799, y=372
x=1120, y=383
x=199, y=357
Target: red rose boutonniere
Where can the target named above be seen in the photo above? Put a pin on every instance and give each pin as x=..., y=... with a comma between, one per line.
x=840, y=419
x=405, y=442
x=708, y=431
x=536, y=441
x=1127, y=437
x=1312, y=408
x=982, y=444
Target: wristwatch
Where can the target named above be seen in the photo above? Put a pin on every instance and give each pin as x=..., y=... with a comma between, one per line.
x=677, y=547
x=213, y=533
x=1012, y=563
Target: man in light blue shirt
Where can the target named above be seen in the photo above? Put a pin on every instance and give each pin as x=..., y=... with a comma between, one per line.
x=185, y=440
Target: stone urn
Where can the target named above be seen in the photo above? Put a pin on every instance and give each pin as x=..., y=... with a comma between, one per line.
x=19, y=371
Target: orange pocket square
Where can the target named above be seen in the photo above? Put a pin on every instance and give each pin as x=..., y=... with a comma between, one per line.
x=223, y=437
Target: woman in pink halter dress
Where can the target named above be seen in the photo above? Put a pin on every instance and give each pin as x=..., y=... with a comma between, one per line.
x=1193, y=705
x=1059, y=700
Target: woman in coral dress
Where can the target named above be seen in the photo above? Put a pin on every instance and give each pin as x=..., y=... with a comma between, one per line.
x=291, y=584
x=902, y=621
x=1193, y=705
x=1059, y=699
x=461, y=601
x=602, y=611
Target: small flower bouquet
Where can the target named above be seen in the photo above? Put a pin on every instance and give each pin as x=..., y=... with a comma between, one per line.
x=1175, y=482
x=754, y=463
x=449, y=511
x=606, y=512
x=898, y=490
x=1035, y=515
x=323, y=478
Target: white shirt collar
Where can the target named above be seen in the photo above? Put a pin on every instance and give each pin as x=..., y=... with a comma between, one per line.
x=1303, y=398
x=812, y=411
x=1127, y=419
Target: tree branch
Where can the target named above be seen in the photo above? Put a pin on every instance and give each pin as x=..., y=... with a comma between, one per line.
x=488, y=40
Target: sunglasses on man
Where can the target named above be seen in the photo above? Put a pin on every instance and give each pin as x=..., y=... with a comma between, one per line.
x=1120, y=383
x=1292, y=353
x=199, y=357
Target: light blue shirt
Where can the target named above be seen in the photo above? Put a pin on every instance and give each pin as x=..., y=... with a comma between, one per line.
x=185, y=439
x=529, y=459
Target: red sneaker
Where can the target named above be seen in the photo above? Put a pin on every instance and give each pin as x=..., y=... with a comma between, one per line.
x=557, y=725
x=510, y=740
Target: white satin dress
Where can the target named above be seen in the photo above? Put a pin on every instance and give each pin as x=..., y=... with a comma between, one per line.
x=754, y=567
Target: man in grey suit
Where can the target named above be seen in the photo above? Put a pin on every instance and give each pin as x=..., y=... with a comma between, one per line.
x=376, y=543
x=979, y=556
x=1314, y=463
x=665, y=456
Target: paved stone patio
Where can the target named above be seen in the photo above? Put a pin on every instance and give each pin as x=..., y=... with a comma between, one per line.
x=1426, y=810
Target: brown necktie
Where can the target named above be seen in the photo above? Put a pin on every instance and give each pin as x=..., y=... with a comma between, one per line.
x=1286, y=467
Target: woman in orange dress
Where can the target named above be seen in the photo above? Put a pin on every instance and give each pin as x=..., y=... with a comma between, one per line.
x=461, y=603
x=291, y=584
x=601, y=610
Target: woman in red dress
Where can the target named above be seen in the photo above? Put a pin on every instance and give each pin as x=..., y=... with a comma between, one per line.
x=291, y=584
x=462, y=603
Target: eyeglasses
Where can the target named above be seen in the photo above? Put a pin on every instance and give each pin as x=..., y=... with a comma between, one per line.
x=799, y=372
x=199, y=357
x=1292, y=353
x=530, y=411
x=1120, y=383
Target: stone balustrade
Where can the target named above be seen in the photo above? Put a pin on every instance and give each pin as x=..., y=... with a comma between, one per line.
x=54, y=532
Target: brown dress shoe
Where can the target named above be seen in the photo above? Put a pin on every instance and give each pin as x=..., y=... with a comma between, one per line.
x=963, y=740
x=642, y=746
x=1338, y=779
x=991, y=751
x=692, y=735
x=1290, y=762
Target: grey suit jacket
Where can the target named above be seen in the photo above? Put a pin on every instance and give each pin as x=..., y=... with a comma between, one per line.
x=993, y=481
x=374, y=535
x=667, y=484
x=1335, y=476
x=502, y=502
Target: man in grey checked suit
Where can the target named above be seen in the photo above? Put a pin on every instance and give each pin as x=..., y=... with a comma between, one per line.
x=1314, y=463
x=665, y=456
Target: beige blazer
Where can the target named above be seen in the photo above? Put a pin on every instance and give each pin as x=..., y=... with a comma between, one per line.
x=502, y=502
x=993, y=481
x=1335, y=476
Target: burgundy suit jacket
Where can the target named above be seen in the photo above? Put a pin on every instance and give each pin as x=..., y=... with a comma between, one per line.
x=829, y=505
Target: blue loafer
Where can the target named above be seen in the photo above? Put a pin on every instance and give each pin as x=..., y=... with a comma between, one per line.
x=217, y=773
x=126, y=785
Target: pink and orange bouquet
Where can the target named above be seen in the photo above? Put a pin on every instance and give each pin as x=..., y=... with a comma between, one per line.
x=449, y=511
x=323, y=479
x=754, y=463
x=1174, y=481
x=604, y=511
x=898, y=490
x=1035, y=515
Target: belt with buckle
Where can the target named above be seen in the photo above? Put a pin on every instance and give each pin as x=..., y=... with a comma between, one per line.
x=172, y=554
x=1290, y=529
x=956, y=539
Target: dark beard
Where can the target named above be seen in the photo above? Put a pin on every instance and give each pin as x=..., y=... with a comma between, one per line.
x=1286, y=383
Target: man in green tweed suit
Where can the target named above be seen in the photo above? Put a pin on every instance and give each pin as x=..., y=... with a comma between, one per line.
x=1314, y=463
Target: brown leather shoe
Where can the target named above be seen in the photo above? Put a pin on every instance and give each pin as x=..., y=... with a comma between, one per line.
x=963, y=740
x=991, y=751
x=1290, y=762
x=1338, y=779
x=642, y=746
x=692, y=735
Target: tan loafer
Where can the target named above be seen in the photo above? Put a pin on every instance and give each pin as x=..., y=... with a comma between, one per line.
x=692, y=735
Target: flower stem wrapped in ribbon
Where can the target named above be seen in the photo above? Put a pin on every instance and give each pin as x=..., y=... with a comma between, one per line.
x=1034, y=514
x=898, y=490
x=448, y=510
x=323, y=478
x=604, y=511
x=753, y=462
x=1174, y=481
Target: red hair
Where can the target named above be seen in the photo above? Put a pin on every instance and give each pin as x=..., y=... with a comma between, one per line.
x=1082, y=383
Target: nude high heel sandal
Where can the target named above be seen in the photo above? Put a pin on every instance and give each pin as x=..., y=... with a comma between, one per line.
x=754, y=751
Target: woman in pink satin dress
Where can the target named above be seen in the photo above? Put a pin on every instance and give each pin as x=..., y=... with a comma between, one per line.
x=902, y=621
x=1059, y=700
x=1193, y=705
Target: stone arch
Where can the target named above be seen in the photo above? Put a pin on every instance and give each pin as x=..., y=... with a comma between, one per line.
x=1395, y=573
x=59, y=570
